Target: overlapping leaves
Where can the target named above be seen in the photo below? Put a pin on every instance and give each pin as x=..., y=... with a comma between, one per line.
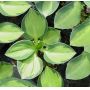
x=39, y=36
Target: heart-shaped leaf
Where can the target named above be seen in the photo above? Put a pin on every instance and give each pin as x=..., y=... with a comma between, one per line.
x=9, y=32
x=52, y=36
x=58, y=53
x=13, y=8
x=68, y=16
x=6, y=70
x=15, y=82
x=87, y=3
x=47, y=7
x=79, y=67
x=50, y=78
x=34, y=24
x=30, y=68
x=81, y=34
x=21, y=50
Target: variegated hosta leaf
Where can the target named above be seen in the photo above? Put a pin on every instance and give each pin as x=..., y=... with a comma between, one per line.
x=15, y=82
x=87, y=3
x=47, y=7
x=81, y=34
x=79, y=67
x=58, y=53
x=68, y=16
x=21, y=50
x=50, y=78
x=9, y=32
x=30, y=68
x=6, y=70
x=13, y=8
x=34, y=24
x=52, y=36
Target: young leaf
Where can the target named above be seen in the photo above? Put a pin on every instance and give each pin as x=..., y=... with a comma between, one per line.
x=6, y=70
x=52, y=36
x=87, y=3
x=34, y=24
x=14, y=82
x=58, y=53
x=47, y=7
x=68, y=16
x=79, y=67
x=80, y=34
x=13, y=8
x=30, y=68
x=21, y=50
x=9, y=32
x=50, y=78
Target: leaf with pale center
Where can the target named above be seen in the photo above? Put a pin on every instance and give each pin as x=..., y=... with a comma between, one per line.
x=13, y=8
x=58, y=53
x=30, y=68
x=47, y=7
x=68, y=16
x=21, y=50
x=9, y=32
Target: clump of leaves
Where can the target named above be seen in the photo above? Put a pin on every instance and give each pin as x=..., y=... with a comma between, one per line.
x=41, y=48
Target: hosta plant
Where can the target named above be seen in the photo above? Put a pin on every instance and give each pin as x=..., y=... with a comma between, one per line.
x=37, y=46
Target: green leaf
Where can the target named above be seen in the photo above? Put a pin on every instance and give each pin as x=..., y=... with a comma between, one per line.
x=79, y=67
x=21, y=50
x=50, y=78
x=9, y=32
x=87, y=3
x=13, y=8
x=30, y=68
x=58, y=53
x=15, y=82
x=34, y=24
x=6, y=70
x=87, y=48
x=68, y=16
x=81, y=34
x=52, y=36
x=47, y=7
